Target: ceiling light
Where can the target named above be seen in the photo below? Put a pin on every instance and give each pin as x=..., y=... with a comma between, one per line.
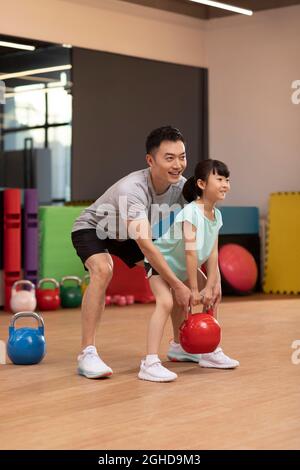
x=15, y=45
x=35, y=72
x=224, y=6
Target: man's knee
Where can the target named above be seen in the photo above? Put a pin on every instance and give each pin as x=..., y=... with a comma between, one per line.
x=100, y=269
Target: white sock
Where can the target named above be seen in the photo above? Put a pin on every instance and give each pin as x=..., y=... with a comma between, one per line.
x=91, y=347
x=150, y=358
x=176, y=345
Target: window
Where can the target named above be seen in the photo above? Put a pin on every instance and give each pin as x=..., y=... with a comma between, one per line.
x=59, y=140
x=16, y=140
x=25, y=107
x=43, y=111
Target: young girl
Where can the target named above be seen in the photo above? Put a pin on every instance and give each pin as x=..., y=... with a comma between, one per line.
x=189, y=243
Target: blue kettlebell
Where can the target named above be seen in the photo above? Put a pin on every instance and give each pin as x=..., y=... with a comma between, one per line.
x=26, y=345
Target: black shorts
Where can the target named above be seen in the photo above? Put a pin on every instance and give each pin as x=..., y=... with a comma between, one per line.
x=86, y=244
x=150, y=271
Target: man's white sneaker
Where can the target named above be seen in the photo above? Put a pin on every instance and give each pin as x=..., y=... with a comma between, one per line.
x=91, y=366
x=217, y=359
x=156, y=372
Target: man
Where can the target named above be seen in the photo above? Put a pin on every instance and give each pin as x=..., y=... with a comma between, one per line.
x=118, y=223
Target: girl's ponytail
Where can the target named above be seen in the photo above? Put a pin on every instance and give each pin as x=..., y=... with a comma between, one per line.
x=190, y=190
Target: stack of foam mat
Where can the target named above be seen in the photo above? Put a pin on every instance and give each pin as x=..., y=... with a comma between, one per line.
x=57, y=257
x=283, y=244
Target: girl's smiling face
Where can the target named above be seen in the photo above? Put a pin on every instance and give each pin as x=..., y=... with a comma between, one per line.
x=215, y=188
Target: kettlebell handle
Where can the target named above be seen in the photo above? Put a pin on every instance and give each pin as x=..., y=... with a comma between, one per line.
x=48, y=279
x=25, y=282
x=209, y=311
x=27, y=314
x=70, y=278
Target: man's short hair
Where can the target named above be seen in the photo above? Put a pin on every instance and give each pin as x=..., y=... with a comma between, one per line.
x=157, y=136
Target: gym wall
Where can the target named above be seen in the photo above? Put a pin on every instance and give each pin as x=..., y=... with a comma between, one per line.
x=254, y=126
x=117, y=101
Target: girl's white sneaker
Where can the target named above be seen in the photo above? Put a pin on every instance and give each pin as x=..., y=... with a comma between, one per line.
x=218, y=360
x=156, y=372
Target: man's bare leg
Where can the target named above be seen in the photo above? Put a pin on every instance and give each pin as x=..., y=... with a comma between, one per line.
x=100, y=268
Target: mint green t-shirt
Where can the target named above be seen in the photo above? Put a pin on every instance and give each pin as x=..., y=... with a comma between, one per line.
x=172, y=243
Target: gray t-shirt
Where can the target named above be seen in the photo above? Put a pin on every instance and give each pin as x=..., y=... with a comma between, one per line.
x=130, y=198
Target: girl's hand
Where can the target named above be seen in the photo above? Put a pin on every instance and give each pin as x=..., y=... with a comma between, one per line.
x=196, y=297
x=207, y=297
x=217, y=295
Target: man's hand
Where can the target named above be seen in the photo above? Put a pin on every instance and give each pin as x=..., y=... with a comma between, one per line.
x=183, y=296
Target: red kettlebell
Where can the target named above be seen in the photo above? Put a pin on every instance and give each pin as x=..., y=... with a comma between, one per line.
x=200, y=333
x=48, y=299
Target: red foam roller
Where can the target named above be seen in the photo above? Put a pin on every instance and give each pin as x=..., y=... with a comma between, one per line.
x=12, y=240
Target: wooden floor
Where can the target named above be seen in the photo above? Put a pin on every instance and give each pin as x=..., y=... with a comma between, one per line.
x=257, y=406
